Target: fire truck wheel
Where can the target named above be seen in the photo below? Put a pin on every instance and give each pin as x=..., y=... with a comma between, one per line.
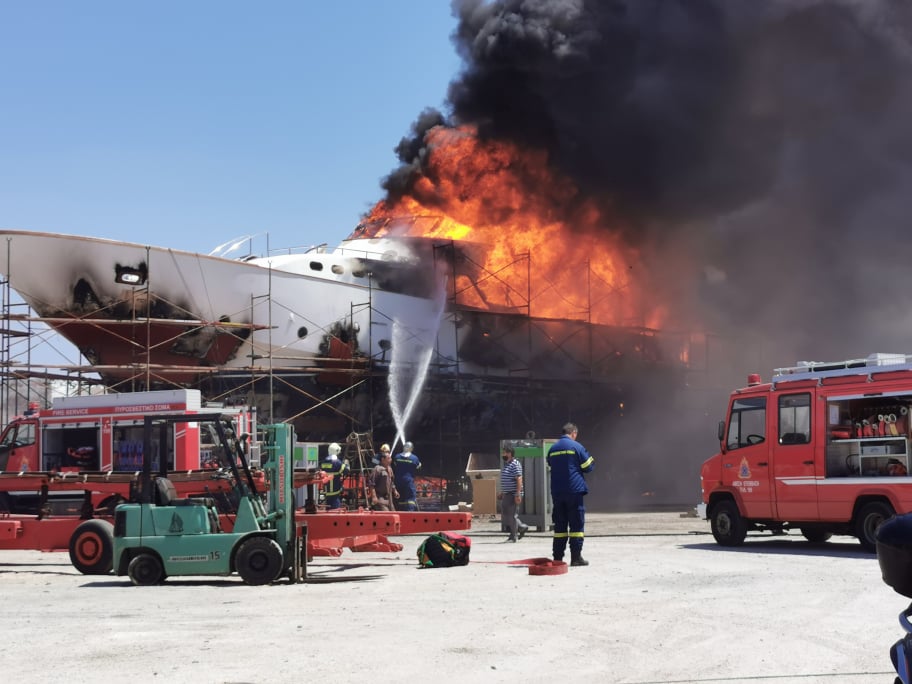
x=146, y=570
x=728, y=527
x=815, y=535
x=92, y=547
x=869, y=519
x=259, y=561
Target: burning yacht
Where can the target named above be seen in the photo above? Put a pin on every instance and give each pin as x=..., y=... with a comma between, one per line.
x=331, y=325
x=171, y=316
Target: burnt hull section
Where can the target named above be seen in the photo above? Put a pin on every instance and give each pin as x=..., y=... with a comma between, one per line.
x=548, y=348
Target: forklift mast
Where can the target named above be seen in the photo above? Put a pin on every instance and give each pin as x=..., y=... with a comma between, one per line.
x=278, y=465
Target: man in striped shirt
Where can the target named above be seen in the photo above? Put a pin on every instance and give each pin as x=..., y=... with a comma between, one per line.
x=511, y=493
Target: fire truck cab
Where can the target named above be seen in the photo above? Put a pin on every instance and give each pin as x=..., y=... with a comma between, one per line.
x=823, y=448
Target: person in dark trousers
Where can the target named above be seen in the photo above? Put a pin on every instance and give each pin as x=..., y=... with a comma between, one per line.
x=382, y=489
x=511, y=494
x=405, y=466
x=568, y=460
x=336, y=468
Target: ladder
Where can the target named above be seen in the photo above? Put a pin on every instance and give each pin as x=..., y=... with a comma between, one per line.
x=359, y=450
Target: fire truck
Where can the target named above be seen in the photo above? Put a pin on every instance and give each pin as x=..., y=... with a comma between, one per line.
x=822, y=448
x=104, y=433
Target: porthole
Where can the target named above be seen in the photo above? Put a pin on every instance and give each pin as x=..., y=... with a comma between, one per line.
x=316, y=265
x=302, y=332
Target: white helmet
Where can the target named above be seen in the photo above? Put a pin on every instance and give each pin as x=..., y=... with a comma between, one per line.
x=334, y=450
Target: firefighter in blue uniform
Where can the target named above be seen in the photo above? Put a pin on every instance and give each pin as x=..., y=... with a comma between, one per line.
x=336, y=468
x=568, y=460
x=405, y=466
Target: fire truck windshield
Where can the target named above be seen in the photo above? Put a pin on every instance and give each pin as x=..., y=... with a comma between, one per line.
x=747, y=422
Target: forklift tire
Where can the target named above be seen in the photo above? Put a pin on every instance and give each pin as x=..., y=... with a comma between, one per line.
x=92, y=547
x=869, y=519
x=728, y=527
x=259, y=561
x=145, y=570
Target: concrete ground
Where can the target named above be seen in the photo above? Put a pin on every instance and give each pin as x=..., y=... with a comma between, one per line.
x=660, y=603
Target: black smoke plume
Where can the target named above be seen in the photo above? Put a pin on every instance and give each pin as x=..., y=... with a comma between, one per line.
x=758, y=152
x=765, y=145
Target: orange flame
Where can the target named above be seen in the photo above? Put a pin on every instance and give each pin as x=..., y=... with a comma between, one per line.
x=536, y=259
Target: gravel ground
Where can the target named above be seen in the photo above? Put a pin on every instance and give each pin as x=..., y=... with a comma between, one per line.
x=660, y=603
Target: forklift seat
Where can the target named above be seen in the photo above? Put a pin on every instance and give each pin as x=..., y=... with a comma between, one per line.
x=167, y=494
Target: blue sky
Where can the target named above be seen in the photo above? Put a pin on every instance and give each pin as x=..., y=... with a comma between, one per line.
x=185, y=124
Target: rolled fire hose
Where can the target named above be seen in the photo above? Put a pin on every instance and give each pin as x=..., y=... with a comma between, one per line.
x=546, y=566
x=538, y=566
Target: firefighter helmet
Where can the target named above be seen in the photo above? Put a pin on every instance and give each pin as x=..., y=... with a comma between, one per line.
x=408, y=446
x=334, y=450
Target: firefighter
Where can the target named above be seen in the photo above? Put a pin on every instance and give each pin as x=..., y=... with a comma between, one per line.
x=405, y=466
x=336, y=468
x=568, y=460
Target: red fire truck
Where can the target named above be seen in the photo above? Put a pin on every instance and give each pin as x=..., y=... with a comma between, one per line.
x=103, y=433
x=822, y=448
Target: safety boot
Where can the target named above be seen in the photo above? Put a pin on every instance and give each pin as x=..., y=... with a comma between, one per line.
x=577, y=560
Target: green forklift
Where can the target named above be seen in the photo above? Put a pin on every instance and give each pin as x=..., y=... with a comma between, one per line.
x=161, y=535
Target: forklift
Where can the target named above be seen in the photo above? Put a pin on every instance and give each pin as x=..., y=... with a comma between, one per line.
x=162, y=536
